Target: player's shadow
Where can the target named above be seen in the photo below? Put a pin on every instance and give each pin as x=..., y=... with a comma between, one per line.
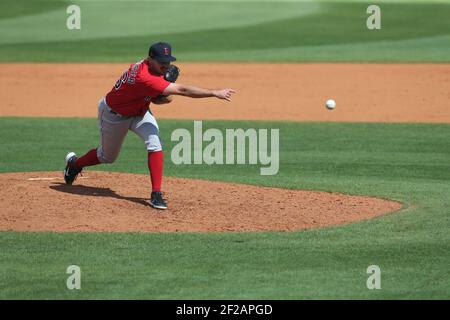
x=95, y=191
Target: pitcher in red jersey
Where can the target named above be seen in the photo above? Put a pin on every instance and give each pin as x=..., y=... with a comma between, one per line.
x=126, y=107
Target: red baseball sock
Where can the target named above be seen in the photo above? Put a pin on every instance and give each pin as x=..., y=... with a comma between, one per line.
x=89, y=159
x=155, y=165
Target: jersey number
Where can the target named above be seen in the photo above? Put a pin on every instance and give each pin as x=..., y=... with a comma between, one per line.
x=122, y=79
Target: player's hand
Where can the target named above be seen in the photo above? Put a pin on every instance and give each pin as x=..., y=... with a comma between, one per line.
x=224, y=94
x=162, y=99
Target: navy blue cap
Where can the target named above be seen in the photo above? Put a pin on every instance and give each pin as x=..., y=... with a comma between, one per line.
x=161, y=51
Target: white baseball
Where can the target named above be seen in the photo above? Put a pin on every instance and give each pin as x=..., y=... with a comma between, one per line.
x=330, y=104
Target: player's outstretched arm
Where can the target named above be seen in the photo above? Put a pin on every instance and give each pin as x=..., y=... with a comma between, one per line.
x=196, y=92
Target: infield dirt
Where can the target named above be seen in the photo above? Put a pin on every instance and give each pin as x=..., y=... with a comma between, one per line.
x=99, y=201
x=295, y=92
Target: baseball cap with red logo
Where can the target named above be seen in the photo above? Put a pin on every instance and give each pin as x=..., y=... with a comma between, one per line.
x=161, y=51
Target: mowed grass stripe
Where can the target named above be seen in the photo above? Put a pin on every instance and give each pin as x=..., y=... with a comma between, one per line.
x=306, y=37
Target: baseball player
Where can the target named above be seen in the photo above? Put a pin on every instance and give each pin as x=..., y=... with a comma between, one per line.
x=126, y=107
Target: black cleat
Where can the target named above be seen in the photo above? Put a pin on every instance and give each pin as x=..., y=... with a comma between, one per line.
x=157, y=201
x=70, y=172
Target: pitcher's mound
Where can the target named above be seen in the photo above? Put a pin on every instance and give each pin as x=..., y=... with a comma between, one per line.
x=106, y=201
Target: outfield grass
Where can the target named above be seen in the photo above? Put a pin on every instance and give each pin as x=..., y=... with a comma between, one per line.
x=270, y=31
x=405, y=162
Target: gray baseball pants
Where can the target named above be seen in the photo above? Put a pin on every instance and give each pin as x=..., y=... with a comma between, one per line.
x=114, y=128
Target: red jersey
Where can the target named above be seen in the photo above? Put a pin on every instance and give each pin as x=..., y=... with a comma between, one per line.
x=132, y=93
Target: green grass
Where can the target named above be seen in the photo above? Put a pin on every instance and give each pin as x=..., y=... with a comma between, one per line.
x=405, y=162
x=268, y=31
x=20, y=8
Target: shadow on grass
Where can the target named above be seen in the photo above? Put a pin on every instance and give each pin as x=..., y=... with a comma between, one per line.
x=96, y=192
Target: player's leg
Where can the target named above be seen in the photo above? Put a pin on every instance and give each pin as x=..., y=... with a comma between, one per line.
x=113, y=129
x=147, y=129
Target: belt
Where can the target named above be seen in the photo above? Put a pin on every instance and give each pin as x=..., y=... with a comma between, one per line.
x=113, y=112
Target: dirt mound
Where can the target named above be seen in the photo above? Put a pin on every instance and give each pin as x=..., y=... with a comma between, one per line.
x=117, y=202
